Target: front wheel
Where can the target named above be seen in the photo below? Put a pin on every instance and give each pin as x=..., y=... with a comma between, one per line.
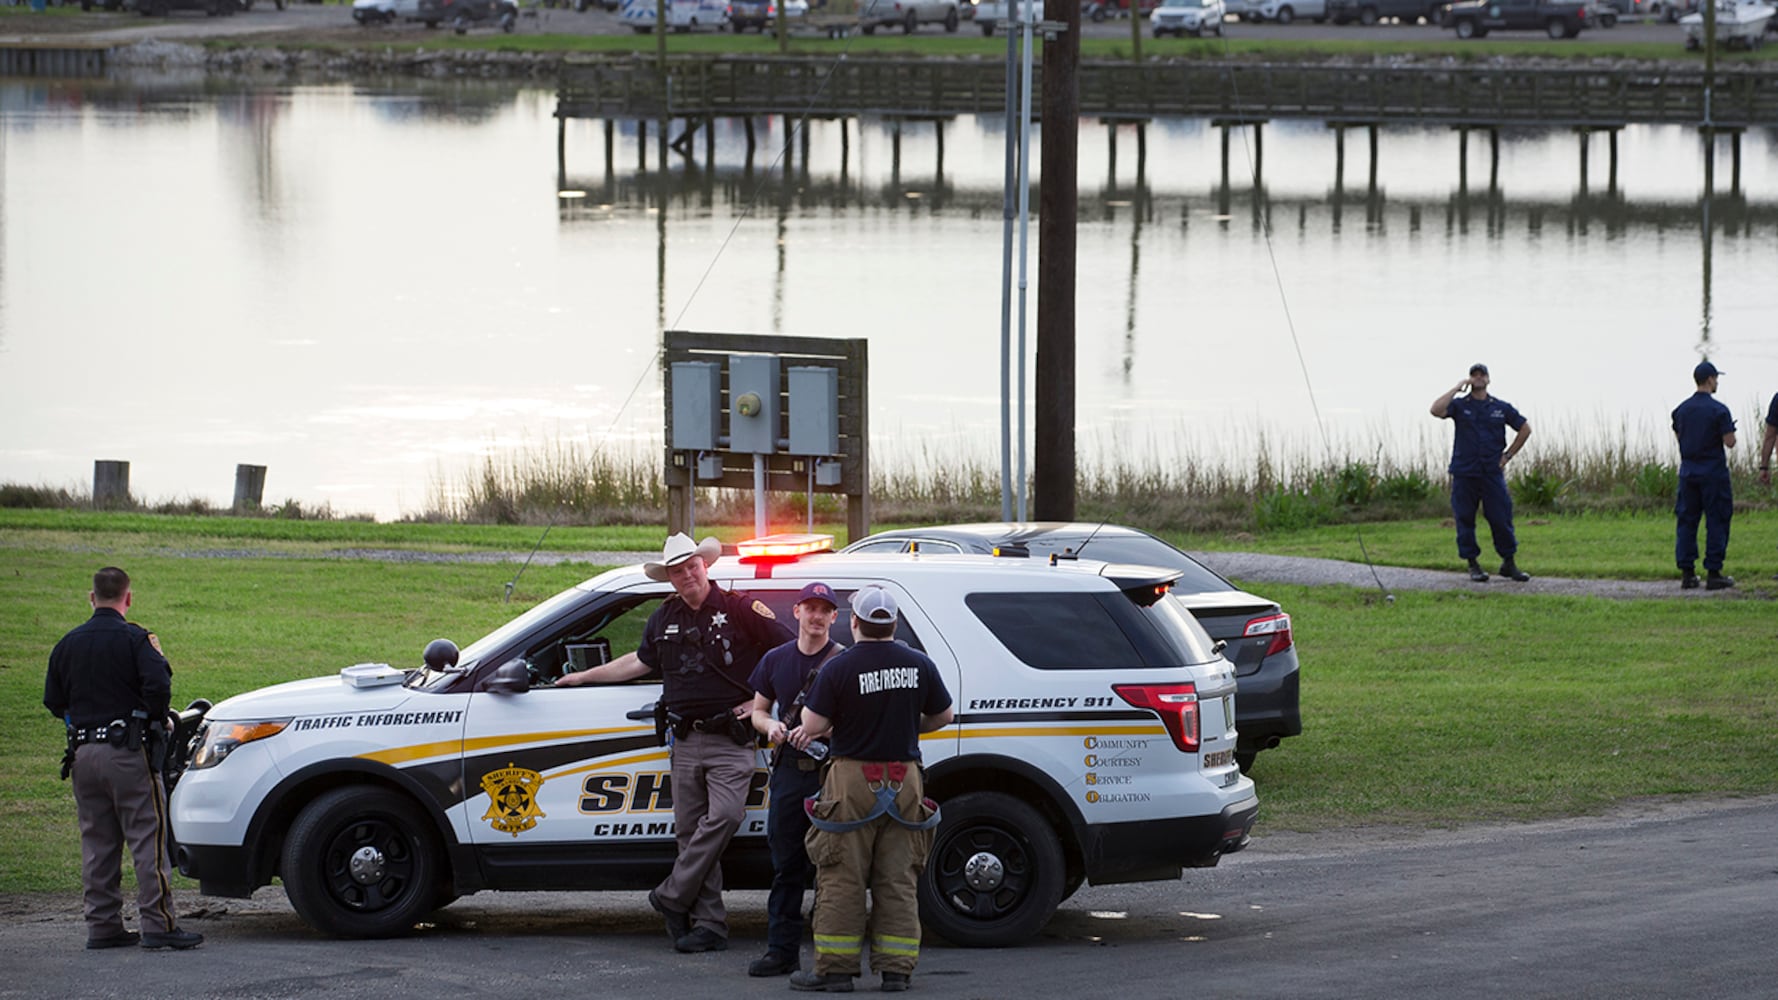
x=1286, y=15
x=987, y=31
x=995, y=874
x=1367, y=16
x=1556, y=29
x=912, y=23
x=1465, y=28
x=952, y=20
x=360, y=862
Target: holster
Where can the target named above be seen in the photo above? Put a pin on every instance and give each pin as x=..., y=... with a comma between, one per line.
x=68, y=755
x=663, y=719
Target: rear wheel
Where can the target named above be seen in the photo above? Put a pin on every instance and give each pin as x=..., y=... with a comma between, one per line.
x=1286, y=15
x=1367, y=16
x=911, y=24
x=1556, y=28
x=360, y=862
x=987, y=31
x=995, y=874
x=1466, y=28
x=952, y=20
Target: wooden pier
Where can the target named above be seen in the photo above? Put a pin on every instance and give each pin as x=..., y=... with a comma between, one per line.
x=1475, y=97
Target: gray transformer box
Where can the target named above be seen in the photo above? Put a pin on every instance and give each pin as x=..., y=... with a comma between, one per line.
x=814, y=410
x=697, y=405
x=753, y=403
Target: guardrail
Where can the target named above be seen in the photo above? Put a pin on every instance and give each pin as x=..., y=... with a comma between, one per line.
x=1467, y=96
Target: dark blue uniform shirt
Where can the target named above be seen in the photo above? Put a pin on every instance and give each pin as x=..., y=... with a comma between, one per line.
x=105, y=669
x=705, y=656
x=1772, y=412
x=1700, y=423
x=1480, y=433
x=781, y=675
x=875, y=693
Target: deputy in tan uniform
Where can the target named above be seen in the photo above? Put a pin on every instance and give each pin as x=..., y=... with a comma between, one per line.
x=110, y=685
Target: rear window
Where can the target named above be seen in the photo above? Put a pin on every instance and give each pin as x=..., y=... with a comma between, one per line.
x=1091, y=631
x=1141, y=550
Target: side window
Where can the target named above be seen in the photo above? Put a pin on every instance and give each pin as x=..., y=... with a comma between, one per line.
x=588, y=641
x=1058, y=631
x=881, y=545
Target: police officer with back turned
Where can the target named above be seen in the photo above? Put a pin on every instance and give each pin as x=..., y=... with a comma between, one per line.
x=110, y=685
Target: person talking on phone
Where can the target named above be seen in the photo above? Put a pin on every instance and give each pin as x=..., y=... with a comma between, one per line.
x=1479, y=454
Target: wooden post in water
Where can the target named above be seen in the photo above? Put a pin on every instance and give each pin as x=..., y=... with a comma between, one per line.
x=1493, y=161
x=1584, y=136
x=111, y=484
x=249, y=487
x=1111, y=151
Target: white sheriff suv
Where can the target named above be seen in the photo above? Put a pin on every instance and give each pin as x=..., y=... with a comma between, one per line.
x=1093, y=742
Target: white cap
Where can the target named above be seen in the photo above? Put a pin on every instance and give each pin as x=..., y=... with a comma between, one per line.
x=873, y=604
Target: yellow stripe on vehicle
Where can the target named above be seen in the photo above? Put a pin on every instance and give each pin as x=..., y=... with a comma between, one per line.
x=420, y=751
x=977, y=732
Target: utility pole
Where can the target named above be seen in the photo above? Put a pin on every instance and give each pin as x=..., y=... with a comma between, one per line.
x=1059, y=195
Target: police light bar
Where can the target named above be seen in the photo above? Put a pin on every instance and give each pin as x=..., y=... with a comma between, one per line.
x=783, y=546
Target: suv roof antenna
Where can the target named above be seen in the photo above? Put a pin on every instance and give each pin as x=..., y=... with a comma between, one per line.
x=1091, y=535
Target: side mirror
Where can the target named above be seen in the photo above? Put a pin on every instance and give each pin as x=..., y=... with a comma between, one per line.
x=440, y=655
x=511, y=677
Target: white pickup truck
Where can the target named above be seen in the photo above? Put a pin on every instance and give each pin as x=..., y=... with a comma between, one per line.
x=990, y=13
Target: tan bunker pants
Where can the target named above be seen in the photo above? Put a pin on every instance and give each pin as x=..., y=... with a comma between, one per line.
x=882, y=857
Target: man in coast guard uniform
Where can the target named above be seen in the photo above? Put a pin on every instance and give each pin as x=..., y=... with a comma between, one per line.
x=704, y=643
x=1704, y=428
x=1479, y=454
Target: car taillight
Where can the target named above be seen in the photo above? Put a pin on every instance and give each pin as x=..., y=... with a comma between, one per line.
x=1176, y=704
x=1277, y=626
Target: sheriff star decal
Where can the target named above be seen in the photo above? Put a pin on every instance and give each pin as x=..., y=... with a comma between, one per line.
x=512, y=799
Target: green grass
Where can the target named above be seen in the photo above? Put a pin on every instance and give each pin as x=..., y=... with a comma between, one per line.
x=1437, y=710
x=1625, y=546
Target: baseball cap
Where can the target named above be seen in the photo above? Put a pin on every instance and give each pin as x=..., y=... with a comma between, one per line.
x=1478, y=367
x=873, y=604
x=1704, y=370
x=817, y=592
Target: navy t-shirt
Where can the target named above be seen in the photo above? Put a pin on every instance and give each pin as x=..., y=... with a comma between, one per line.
x=780, y=676
x=1772, y=412
x=1700, y=423
x=1480, y=436
x=875, y=693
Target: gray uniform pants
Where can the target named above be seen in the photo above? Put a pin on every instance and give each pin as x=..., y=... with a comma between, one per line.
x=711, y=777
x=119, y=801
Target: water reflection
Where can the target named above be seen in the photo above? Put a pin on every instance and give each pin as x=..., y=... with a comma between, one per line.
x=360, y=286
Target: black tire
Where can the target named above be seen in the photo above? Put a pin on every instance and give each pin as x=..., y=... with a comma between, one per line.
x=361, y=862
x=1556, y=28
x=1286, y=15
x=1465, y=28
x=987, y=30
x=434, y=24
x=911, y=24
x=86, y=5
x=1098, y=15
x=738, y=27
x=1015, y=861
x=1367, y=16
x=1608, y=20
x=952, y=21
x=870, y=29
x=460, y=25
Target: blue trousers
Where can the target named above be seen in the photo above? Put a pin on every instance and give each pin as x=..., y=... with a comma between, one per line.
x=1490, y=493
x=1708, y=497
x=792, y=873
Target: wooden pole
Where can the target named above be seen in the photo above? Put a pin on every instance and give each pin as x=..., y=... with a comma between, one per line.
x=1053, y=470
x=111, y=484
x=249, y=487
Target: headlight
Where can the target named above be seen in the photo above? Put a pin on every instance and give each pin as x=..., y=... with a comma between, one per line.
x=223, y=738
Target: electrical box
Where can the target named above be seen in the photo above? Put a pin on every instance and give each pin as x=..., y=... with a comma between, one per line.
x=697, y=405
x=753, y=403
x=814, y=410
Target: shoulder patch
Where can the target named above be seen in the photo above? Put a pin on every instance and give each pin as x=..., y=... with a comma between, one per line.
x=761, y=610
x=155, y=641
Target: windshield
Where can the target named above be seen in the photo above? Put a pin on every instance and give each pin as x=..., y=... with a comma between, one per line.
x=1183, y=3
x=502, y=635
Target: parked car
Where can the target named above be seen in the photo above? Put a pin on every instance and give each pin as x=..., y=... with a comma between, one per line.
x=1099, y=10
x=1182, y=17
x=1256, y=631
x=1093, y=742
x=744, y=14
x=908, y=15
x=992, y=14
x=161, y=8
x=1557, y=18
x=368, y=12
x=1286, y=11
x=682, y=15
x=1246, y=10
x=461, y=15
x=1369, y=12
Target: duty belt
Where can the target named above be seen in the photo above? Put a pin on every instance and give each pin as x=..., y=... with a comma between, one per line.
x=885, y=779
x=116, y=731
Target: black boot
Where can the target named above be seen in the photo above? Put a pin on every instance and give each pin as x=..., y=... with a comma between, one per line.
x=1716, y=581
x=1689, y=581
x=1511, y=571
x=1476, y=572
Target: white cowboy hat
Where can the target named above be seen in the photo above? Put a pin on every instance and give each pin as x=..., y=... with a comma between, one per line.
x=678, y=549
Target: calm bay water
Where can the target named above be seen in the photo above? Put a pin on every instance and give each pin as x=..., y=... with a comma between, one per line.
x=365, y=290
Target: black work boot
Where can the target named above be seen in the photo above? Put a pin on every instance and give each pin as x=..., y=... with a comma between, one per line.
x=1716, y=581
x=809, y=981
x=1476, y=572
x=176, y=939
x=1511, y=571
x=896, y=982
x=1689, y=581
